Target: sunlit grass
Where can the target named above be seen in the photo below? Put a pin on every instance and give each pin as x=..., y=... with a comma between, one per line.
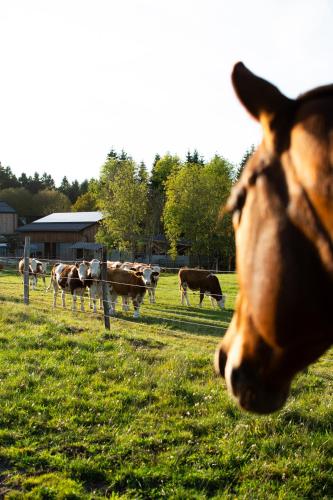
x=137, y=412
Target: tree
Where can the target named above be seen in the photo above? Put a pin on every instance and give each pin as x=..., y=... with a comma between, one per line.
x=194, y=158
x=161, y=170
x=142, y=175
x=122, y=197
x=194, y=196
x=48, y=201
x=248, y=153
x=20, y=199
x=23, y=180
x=85, y=203
x=71, y=190
x=47, y=181
x=112, y=155
x=84, y=186
x=34, y=183
x=64, y=186
x=7, y=178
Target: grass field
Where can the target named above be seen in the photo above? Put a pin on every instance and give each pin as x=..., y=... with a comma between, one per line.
x=137, y=412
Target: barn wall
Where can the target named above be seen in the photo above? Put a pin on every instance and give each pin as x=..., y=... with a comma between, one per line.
x=87, y=234
x=57, y=245
x=8, y=223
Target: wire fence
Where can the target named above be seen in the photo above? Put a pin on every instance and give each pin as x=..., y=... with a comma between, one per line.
x=159, y=312
x=13, y=261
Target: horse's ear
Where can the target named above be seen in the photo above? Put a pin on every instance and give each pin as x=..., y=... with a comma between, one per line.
x=263, y=100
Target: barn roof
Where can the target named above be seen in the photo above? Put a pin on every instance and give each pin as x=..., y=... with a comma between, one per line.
x=71, y=217
x=58, y=227
x=63, y=222
x=5, y=208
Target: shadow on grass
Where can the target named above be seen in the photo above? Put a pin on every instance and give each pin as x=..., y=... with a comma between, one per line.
x=174, y=324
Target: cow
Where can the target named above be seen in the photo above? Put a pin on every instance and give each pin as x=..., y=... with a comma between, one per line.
x=36, y=269
x=150, y=276
x=94, y=284
x=69, y=278
x=128, y=285
x=204, y=281
x=114, y=264
x=282, y=210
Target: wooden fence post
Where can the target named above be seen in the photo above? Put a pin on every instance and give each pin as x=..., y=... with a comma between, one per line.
x=105, y=286
x=26, y=270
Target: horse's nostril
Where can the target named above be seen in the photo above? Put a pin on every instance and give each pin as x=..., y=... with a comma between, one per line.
x=220, y=361
x=235, y=378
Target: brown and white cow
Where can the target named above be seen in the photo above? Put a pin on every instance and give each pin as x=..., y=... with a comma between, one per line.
x=36, y=269
x=128, y=285
x=150, y=276
x=71, y=278
x=116, y=264
x=204, y=281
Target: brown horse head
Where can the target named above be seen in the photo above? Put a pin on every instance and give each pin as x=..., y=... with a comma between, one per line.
x=283, y=218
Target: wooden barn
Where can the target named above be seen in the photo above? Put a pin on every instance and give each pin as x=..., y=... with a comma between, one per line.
x=8, y=219
x=65, y=236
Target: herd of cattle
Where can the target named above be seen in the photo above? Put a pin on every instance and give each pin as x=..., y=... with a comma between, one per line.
x=128, y=280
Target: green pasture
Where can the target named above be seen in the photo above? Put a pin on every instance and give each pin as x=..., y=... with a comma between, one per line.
x=137, y=411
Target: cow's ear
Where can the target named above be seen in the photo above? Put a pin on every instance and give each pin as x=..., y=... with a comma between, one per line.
x=138, y=273
x=77, y=264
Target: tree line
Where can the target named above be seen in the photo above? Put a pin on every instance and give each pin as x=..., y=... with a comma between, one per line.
x=37, y=195
x=179, y=201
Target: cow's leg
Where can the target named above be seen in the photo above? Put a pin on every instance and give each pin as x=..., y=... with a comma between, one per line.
x=153, y=295
x=82, y=299
x=33, y=281
x=92, y=297
x=99, y=293
x=202, y=294
x=55, y=293
x=74, y=300
x=113, y=303
x=137, y=301
x=63, y=298
x=184, y=294
x=151, y=292
x=125, y=305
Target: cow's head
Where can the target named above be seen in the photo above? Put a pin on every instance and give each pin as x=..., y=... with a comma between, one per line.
x=282, y=214
x=34, y=264
x=216, y=290
x=83, y=270
x=95, y=269
x=149, y=273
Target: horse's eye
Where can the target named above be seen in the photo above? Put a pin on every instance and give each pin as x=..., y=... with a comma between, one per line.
x=236, y=203
x=237, y=200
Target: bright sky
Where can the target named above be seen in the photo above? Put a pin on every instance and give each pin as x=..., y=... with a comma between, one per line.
x=149, y=76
